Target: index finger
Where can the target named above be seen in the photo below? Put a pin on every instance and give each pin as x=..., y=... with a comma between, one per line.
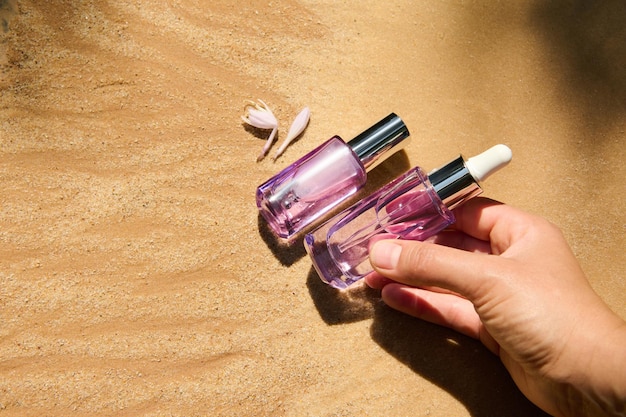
x=491, y=221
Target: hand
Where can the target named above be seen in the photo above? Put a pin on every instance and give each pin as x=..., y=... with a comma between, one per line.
x=516, y=287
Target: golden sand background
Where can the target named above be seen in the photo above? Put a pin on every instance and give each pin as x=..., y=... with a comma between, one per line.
x=135, y=275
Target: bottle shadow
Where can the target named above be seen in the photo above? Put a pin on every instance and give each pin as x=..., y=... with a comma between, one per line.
x=459, y=365
x=287, y=252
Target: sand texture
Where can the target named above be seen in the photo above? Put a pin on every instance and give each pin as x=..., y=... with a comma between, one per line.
x=136, y=277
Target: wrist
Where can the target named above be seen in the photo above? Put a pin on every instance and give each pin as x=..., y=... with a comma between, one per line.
x=607, y=381
x=599, y=387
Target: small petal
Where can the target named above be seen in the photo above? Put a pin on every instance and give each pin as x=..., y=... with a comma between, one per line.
x=299, y=124
x=260, y=116
x=268, y=143
x=297, y=127
x=260, y=121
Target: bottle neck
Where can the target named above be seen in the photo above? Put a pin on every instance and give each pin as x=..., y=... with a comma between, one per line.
x=380, y=141
x=454, y=183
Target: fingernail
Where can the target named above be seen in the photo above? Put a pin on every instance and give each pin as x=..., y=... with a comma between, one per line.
x=385, y=255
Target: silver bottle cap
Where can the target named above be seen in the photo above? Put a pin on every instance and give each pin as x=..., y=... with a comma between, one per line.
x=380, y=141
x=454, y=183
x=457, y=181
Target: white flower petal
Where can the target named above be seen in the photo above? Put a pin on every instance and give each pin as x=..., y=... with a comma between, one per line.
x=262, y=120
x=260, y=116
x=268, y=143
x=297, y=127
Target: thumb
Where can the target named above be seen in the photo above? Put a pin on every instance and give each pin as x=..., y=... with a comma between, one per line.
x=421, y=264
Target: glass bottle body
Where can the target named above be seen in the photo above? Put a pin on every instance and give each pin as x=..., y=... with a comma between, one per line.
x=310, y=187
x=407, y=208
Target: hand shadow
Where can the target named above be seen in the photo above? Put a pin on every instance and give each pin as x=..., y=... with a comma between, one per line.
x=339, y=307
x=459, y=365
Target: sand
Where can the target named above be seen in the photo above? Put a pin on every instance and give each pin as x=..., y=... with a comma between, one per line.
x=136, y=277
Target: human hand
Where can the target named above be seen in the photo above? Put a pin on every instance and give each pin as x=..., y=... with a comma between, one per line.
x=516, y=287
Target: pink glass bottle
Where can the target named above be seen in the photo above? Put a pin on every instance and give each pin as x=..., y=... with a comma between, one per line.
x=322, y=179
x=414, y=206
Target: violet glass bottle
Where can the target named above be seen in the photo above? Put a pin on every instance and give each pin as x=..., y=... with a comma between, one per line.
x=414, y=206
x=322, y=179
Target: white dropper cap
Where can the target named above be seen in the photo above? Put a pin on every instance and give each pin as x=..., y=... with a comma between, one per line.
x=493, y=159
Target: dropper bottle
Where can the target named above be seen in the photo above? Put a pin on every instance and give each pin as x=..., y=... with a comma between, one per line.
x=414, y=206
